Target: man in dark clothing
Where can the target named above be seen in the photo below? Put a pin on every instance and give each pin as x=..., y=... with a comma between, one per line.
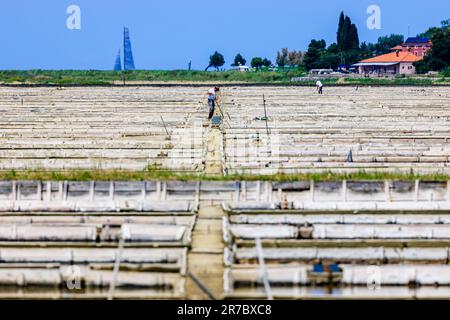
x=319, y=86
x=212, y=96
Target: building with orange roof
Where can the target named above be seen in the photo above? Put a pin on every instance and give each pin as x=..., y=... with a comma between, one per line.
x=416, y=45
x=397, y=62
x=399, y=48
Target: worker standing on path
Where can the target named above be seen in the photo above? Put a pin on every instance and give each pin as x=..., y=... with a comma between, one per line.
x=319, y=86
x=212, y=97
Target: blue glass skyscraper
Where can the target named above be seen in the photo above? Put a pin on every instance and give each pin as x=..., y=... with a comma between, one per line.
x=118, y=64
x=128, y=61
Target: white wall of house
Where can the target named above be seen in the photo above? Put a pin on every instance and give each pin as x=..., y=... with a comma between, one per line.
x=368, y=69
x=401, y=68
x=407, y=68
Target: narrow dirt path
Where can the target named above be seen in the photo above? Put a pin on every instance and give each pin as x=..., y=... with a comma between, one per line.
x=213, y=158
x=205, y=259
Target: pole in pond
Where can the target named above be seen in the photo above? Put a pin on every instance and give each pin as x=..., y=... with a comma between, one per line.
x=116, y=269
x=265, y=115
x=201, y=286
x=349, y=156
x=263, y=270
x=164, y=124
x=220, y=109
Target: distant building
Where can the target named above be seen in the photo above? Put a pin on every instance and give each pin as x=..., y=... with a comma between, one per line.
x=118, y=63
x=241, y=68
x=128, y=61
x=313, y=72
x=417, y=46
x=398, y=62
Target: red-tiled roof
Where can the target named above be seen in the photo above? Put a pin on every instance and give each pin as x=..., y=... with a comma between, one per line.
x=394, y=57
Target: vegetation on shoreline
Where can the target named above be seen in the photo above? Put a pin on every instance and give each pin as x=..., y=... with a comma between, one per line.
x=117, y=175
x=95, y=77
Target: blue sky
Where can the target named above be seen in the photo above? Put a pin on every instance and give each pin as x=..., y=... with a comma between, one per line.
x=166, y=34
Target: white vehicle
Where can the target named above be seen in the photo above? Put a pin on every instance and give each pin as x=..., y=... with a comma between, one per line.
x=320, y=71
x=241, y=68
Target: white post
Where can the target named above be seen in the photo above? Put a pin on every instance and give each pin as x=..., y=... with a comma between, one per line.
x=158, y=190
x=39, y=191
x=111, y=190
x=387, y=191
x=49, y=190
x=60, y=190
x=416, y=190
x=91, y=190
x=14, y=190
x=65, y=191
x=269, y=190
x=143, y=191
x=116, y=269
x=258, y=191
x=344, y=190
x=197, y=192
x=448, y=190
x=263, y=270
x=164, y=191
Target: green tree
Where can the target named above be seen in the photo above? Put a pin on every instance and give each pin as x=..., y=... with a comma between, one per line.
x=446, y=72
x=295, y=58
x=318, y=44
x=257, y=62
x=439, y=56
x=216, y=61
x=354, y=37
x=239, y=61
x=315, y=49
x=346, y=41
x=445, y=23
x=429, y=33
x=340, y=35
x=385, y=43
x=328, y=60
x=267, y=62
x=347, y=34
x=282, y=57
x=367, y=50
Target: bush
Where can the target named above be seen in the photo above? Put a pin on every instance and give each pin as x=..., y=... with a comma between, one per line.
x=446, y=72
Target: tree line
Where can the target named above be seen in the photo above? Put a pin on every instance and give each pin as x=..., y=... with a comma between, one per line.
x=348, y=50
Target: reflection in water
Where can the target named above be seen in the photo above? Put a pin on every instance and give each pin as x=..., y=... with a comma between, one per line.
x=11, y=292
x=362, y=292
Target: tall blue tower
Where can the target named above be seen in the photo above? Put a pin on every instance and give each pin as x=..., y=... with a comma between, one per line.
x=128, y=61
x=118, y=63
